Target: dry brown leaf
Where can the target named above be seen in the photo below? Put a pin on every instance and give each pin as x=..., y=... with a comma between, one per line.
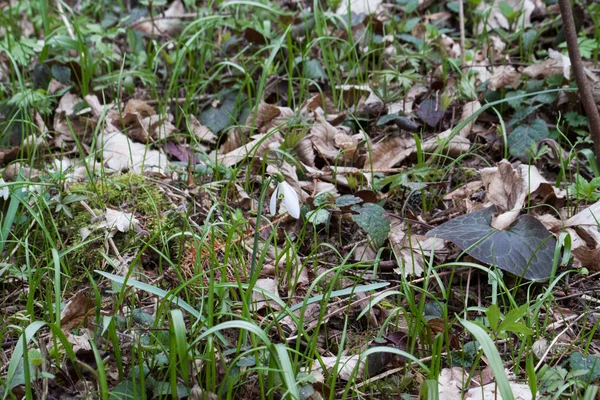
x=588, y=257
x=305, y=152
x=557, y=63
x=78, y=312
x=346, y=367
x=67, y=103
x=389, y=153
x=451, y=383
x=167, y=23
x=260, y=300
x=415, y=93
x=585, y=236
x=410, y=252
x=496, y=18
x=507, y=190
x=256, y=148
x=201, y=132
x=118, y=150
x=448, y=44
x=504, y=75
x=465, y=191
x=323, y=136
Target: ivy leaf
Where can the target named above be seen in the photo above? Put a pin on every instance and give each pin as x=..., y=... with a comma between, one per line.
x=318, y=217
x=430, y=112
x=525, y=249
x=371, y=217
x=521, y=138
x=347, y=200
x=591, y=363
x=222, y=116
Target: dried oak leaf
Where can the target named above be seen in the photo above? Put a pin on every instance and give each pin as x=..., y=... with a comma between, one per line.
x=504, y=75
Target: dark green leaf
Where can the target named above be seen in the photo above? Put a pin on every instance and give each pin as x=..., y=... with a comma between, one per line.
x=61, y=73
x=347, y=200
x=590, y=363
x=526, y=249
x=371, y=217
x=42, y=75
x=318, y=217
x=220, y=117
x=430, y=112
x=312, y=69
x=386, y=118
x=523, y=136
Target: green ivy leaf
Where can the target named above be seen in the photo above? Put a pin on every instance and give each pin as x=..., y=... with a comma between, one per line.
x=521, y=138
x=525, y=249
x=371, y=217
x=222, y=116
x=590, y=363
x=347, y=200
x=318, y=217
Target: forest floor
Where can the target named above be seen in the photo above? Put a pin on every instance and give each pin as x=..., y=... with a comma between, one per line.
x=251, y=199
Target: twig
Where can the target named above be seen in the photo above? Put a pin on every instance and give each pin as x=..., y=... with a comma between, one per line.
x=65, y=20
x=585, y=91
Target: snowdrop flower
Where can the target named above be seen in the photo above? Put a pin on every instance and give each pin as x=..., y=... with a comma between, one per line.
x=4, y=189
x=290, y=198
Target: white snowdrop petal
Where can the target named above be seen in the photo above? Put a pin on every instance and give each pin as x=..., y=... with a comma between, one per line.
x=4, y=192
x=290, y=199
x=273, y=203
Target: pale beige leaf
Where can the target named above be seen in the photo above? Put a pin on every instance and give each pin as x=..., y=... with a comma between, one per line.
x=504, y=75
x=255, y=148
x=260, y=300
x=201, y=132
x=589, y=216
x=118, y=220
x=346, y=367
x=166, y=23
x=557, y=63
x=359, y=7
x=389, y=153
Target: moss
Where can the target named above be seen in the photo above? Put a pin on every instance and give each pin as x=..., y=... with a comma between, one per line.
x=130, y=193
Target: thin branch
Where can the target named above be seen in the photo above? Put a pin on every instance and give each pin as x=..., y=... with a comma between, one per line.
x=585, y=91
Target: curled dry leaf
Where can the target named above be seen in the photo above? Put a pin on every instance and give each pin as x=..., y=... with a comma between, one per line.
x=329, y=140
x=121, y=153
x=201, y=132
x=411, y=251
x=451, y=48
x=167, y=23
x=496, y=18
x=345, y=367
x=389, y=153
x=508, y=188
x=305, y=152
x=357, y=7
x=557, y=63
x=465, y=191
x=585, y=236
x=78, y=308
x=504, y=75
x=118, y=220
x=268, y=116
x=67, y=103
x=118, y=150
x=256, y=148
x=260, y=300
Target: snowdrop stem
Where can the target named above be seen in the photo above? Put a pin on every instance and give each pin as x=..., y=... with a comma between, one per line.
x=255, y=251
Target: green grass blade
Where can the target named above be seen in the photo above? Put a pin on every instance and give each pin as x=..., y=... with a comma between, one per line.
x=490, y=351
